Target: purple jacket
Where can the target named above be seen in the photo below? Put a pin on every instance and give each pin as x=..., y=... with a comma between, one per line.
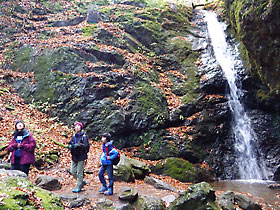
x=27, y=149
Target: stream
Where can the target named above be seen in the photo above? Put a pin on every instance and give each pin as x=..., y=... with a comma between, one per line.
x=258, y=190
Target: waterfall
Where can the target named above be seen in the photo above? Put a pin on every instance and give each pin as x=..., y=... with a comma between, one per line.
x=249, y=159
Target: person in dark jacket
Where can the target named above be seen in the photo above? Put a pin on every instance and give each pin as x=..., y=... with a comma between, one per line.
x=79, y=146
x=109, y=153
x=22, y=147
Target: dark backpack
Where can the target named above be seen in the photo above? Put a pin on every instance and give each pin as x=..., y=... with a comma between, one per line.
x=116, y=160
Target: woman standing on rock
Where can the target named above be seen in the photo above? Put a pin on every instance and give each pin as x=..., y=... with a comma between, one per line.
x=79, y=146
x=22, y=147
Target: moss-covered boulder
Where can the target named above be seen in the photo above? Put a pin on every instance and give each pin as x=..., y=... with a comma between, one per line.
x=197, y=197
x=130, y=169
x=20, y=193
x=183, y=170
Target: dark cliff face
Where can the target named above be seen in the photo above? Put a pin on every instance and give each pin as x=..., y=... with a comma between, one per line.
x=257, y=24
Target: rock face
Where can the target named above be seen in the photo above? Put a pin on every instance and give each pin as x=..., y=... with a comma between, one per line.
x=140, y=79
x=257, y=25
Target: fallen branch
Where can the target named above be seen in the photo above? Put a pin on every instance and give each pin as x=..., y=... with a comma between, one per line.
x=200, y=5
x=3, y=153
x=60, y=144
x=3, y=147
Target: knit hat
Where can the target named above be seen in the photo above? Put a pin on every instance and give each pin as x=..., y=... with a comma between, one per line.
x=80, y=124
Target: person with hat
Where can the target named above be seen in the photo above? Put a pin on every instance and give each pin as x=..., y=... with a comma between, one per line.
x=79, y=146
x=22, y=147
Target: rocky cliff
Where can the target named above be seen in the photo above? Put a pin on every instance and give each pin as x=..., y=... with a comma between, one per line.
x=257, y=24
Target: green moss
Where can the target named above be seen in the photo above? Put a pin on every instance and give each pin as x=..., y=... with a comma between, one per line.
x=49, y=201
x=151, y=101
x=14, y=198
x=179, y=169
x=89, y=30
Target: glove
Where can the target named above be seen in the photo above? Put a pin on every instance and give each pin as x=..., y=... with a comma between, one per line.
x=75, y=145
x=70, y=147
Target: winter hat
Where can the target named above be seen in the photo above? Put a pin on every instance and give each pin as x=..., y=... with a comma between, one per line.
x=18, y=123
x=80, y=124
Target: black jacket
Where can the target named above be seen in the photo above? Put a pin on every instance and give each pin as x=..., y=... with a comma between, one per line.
x=80, y=152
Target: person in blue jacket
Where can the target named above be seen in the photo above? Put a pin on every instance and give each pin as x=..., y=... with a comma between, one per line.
x=109, y=153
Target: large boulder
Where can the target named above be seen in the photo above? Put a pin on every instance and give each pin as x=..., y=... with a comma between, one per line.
x=183, y=170
x=17, y=192
x=159, y=184
x=128, y=169
x=197, y=197
x=128, y=194
x=48, y=183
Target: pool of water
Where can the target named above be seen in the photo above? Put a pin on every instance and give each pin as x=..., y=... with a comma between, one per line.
x=258, y=189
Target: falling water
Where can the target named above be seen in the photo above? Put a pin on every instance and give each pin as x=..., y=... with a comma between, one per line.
x=250, y=163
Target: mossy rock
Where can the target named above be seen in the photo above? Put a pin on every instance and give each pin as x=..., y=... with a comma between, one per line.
x=197, y=197
x=182, y=170
x=17, y=193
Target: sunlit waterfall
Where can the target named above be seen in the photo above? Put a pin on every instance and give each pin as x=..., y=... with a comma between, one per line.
x=251, y=164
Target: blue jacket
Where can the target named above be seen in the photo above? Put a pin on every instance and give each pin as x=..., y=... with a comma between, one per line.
x=113, y=153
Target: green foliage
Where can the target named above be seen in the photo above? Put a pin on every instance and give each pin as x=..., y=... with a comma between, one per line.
x=156, y=3
x=88, y=31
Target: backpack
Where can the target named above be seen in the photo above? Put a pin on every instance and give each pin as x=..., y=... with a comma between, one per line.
x=116, y=160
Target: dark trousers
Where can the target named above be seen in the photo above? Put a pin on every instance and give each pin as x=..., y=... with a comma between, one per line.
x=17, y=166
x=109, y=169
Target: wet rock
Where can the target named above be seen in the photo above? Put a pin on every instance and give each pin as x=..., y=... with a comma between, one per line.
x=226, y=201
x=198, y=196
x=159, y=184
x=245, y=202
x=48, y=183
x=274, y=186
x=128, y=194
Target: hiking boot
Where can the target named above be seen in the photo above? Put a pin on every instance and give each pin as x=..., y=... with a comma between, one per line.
x=103, y=189
x=76, y=190
x=83, y=184
x=109, y=192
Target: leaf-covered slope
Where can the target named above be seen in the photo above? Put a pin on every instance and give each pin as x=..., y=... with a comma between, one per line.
x=129, y=74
